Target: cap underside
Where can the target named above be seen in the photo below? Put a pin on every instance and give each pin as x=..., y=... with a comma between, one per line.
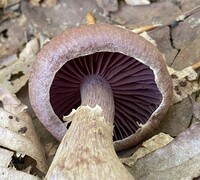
x=135, y=92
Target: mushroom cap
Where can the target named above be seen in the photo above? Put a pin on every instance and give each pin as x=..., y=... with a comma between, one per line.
x=90, y=49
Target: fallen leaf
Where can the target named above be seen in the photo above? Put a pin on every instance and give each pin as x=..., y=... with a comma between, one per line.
x=108, y=5
x=8, y=60
x=35, y=2
x=14, y=33
x=142, y=31
x=3, y=3
x=17, y=132
x=49, y=3
x=148, y=146
x=184, y=82
x=50, y=150
x=5, y=157
x=8, y=173
x=195, y=108
x=177, y=160
x=14, y=76
x=50, y=21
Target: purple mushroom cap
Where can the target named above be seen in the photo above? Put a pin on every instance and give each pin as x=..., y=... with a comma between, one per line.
x=134, y=68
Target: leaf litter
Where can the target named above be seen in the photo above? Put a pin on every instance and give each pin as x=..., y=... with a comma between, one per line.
x=160, y=157
x=18, y=138
x=14, y=71
x=177, y=160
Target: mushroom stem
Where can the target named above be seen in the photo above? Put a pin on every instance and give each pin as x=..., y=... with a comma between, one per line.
x=87, y=151
x=96, y=90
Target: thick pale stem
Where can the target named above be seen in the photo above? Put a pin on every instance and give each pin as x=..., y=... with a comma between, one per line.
x=95, y=90
x=87, y=151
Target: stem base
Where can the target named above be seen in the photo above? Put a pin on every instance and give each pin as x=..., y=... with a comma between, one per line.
x=86, y=151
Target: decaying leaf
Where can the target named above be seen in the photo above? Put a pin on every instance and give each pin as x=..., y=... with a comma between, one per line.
x=3, y=49
x=184, y=82
x=142, y=31
x=195, y=108
x=3, y=3
x=17, y=133
x=8, y=173
x=6, y=61
x=108, y=5
x=50, y=150
x=5, y=157
x=14, y=76
x=50, y=3
x=177, y=160
x=148, y=146
x=35, y=2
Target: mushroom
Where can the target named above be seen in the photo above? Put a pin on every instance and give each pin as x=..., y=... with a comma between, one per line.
x=117, y=81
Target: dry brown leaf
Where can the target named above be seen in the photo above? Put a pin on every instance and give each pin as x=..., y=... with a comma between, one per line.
x=15, y=76
x=3, y=50
x=142, y=31
x=17, y=132
x=49, y=3
x=177, y=160
x=35, y=2
x=195, y=108
x=51, y=149
x=108, y=5
x=184, y=82
x=148, y=146
x=3, y=3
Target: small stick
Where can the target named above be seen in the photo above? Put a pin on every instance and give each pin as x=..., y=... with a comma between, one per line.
x=196, y=65
x=146, y=28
